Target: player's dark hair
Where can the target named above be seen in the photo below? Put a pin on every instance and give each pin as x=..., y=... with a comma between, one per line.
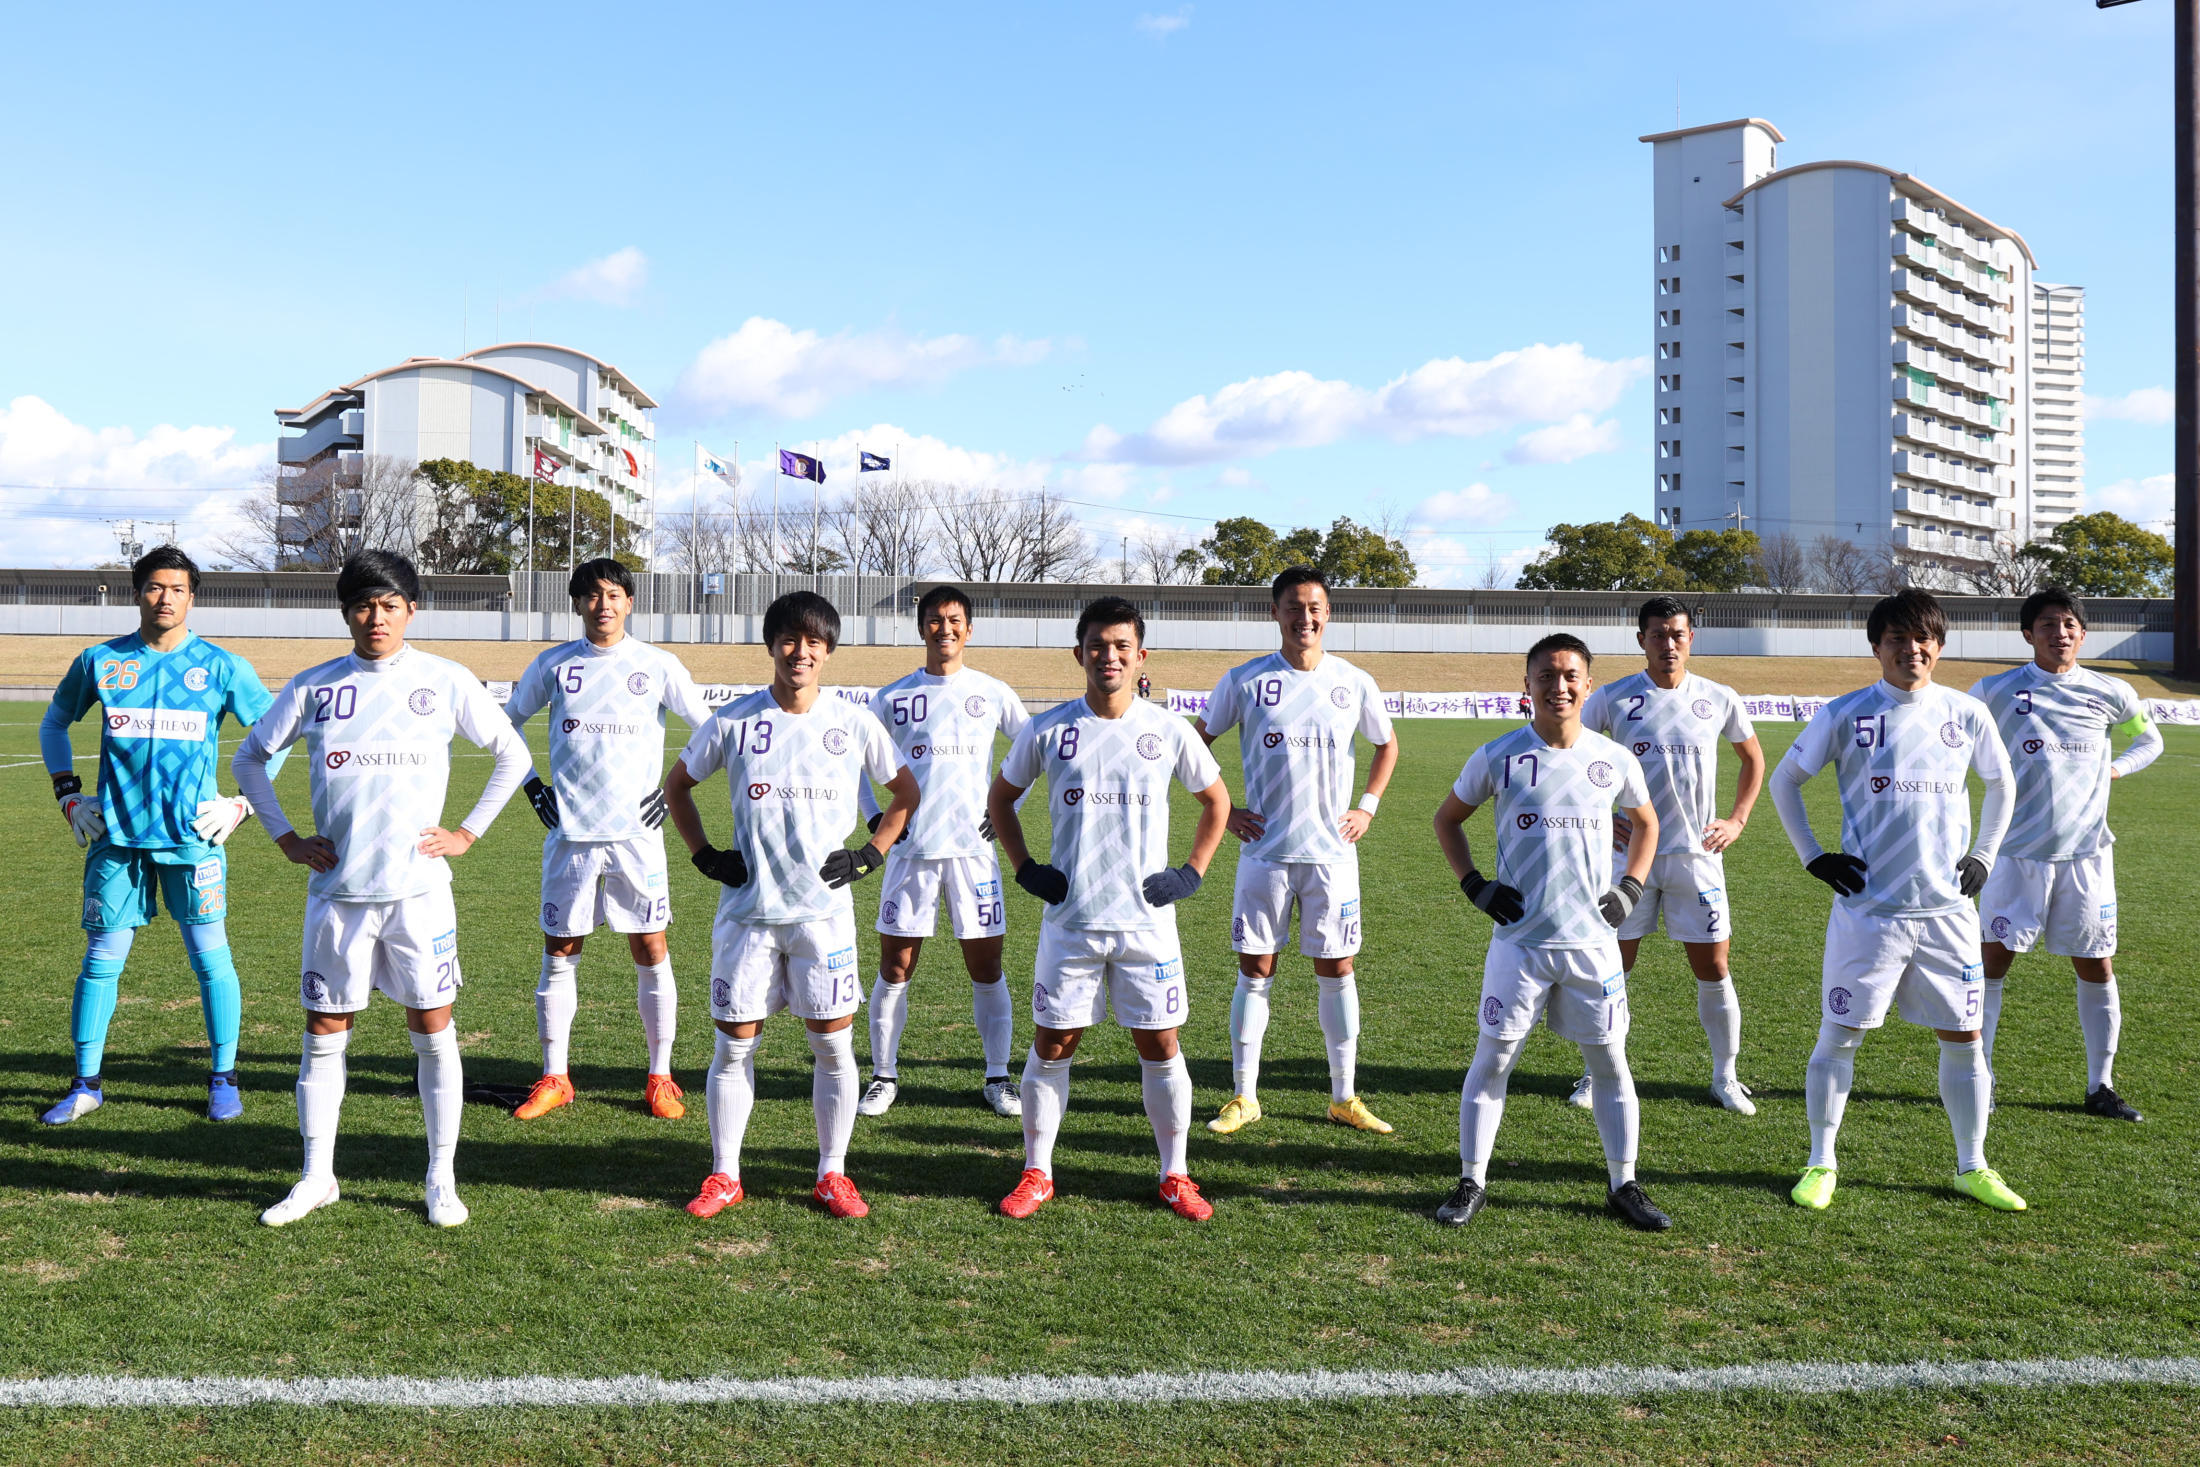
x=805, y=614
x=1111, y=611
x=1662, y=608
x=1558, y=642
x=168, y=557
x=1297, y=575
x=1911, y=610
x=372, y=573
x=2049, y=598
x=589, y=572
x=940, y=596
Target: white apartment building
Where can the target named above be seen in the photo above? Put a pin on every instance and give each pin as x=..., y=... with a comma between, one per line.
x=1840, y=349
x=548, y=412
x=2057, y=482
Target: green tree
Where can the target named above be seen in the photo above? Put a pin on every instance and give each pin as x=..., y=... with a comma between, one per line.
x=1241, y=552
x=1627, y=554
x=2105, y=554
x=1246, y=552
x=1358, y=555
x=478, y=522
x=1715, y=560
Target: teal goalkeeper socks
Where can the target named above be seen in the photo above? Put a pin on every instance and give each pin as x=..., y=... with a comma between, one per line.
x=97, y=988
x=222, y=1001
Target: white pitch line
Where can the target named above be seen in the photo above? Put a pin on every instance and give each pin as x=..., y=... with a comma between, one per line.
x=1222, y=1387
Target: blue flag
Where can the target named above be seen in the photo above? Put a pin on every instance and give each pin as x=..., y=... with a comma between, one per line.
x=801, y=466
x=872, y=462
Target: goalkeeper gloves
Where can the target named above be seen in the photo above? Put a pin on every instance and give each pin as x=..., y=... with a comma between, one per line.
x=1171, y=885
x=724, y=867
x=544, y=799
x=218, y=819
x=1501, y=902
x=82, y=811
x=1839, y=870
x=845, y=866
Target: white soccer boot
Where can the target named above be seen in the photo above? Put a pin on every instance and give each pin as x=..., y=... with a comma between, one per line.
x=310, y=1195
x=1734, y=1095
x=1580, y=1097
x=1003, y=1097
x=879, y=1098
x=444, y=1208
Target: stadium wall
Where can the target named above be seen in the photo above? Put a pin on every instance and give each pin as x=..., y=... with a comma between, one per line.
x=880, y=611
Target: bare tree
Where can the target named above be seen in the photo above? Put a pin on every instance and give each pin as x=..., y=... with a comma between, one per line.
x=1782, y=563
x=732, y=535
x=1845, y=568
x=884, y=528
x=312, y=516
x=1051, y=544
x=2007, y=571
x=254, y=539
x=1167, y=558
x=1915, y=568
x=979, y=533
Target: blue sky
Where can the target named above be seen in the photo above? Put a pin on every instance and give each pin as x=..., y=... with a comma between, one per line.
x=1175, y=262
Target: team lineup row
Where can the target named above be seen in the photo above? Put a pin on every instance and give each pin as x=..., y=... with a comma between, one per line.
x=1604, y=807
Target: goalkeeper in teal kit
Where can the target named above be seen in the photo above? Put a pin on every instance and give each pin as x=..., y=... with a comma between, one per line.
x=154, y=828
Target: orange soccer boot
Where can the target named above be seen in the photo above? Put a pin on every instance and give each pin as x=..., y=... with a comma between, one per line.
x=839, y=1196
x=1182, y=1194
x=1035, y=1188
x=664, y=1098
x=550, y=1092
x=719, y=1193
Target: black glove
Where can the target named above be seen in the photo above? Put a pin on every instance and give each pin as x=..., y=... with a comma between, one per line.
x=544, y=799
x=1171, y=885
x=1620, y=900
x=908, y=828
x=1971, y=875
x=985, y=827
x=1839, y=870
x=653, y=809
x=726, y=867
x=844, y=866
x=1044, y=882
x=69, y=784
x=1494, y=897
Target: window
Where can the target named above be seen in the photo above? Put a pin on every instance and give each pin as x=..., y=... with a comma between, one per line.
x=1669, y=349
x=1669, y=415
x=1667, y=254
x=1665, y=318
x=1665, y=286
x=1676, y=478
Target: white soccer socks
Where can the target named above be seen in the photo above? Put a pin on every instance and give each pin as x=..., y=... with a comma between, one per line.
x=557, y=997
x=1719, y=1010
x=889, y=1016
x=2101, y=1016
x=1339, y=1008
x=1612, y=1098
x=730, y=1088
x=1990, y=1018
x=657, y=999
x=321, y=1072
x=1482, y=1103
x=1966, y=1088
x=995, y=1013
x=1168, y=1090
x=1248, y=1025
x=834, y=1087
x=1826, y=1086
x=442, y=1094
x=1046, y=1096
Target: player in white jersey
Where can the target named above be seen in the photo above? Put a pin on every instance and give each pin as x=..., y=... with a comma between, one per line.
x=785, y=934
x=1109, y=935
x=1903, y=933
x=1552, y=786
x=943, y=718
x=1297, y=710
x=603, y=860
x=377, y=725
x=2055, y=884
x=1673, y=721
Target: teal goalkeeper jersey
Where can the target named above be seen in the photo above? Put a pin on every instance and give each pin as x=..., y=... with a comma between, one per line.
x=160, y=733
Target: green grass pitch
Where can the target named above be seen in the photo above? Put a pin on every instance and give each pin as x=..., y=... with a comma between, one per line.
x=128, y=1241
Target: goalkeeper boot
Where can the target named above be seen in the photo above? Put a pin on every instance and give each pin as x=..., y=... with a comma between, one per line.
x=224, y=1101
x=83, y=1098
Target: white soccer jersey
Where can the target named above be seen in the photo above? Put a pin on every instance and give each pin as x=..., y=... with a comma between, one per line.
x=2056, y=729
x=1553, y=809
x=1676, y=734
x=792, y=785
x=607, y=728
x=944, y=727
x=1297, y=748
x=378, y=742
x=1108, y=797
x=1902, y=761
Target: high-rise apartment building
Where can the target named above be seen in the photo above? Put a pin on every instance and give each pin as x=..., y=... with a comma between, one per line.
x=2057, y=482
x=1840, y=350
x=551, y=413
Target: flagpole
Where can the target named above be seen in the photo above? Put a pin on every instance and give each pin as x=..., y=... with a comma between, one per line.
x=695, y=533
x=779, y=468
x=817, y=488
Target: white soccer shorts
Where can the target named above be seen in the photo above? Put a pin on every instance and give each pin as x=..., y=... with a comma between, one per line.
x=1581, y=992
x=1082, y=972
x=809, y=967
x=407, y=948
x=1689, y=887
x=1327, y=894
x=1926, y=968
x=2073, y=903
x=586, y=883
x=909, y=895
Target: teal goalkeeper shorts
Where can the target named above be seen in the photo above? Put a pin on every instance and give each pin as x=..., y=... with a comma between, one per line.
x=125, y=887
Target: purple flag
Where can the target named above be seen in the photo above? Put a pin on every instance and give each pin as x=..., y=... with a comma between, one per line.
x=801, y=466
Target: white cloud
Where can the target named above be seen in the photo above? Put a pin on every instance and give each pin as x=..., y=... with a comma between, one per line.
x=1164, y=26
x=1447, y=396
x=1477, y=504
x=769, y=366
x=41, y=446
x=2149, y=501
x=2151, y=405
x=1562, y=443
x=1234, y=477
x=614, y=280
